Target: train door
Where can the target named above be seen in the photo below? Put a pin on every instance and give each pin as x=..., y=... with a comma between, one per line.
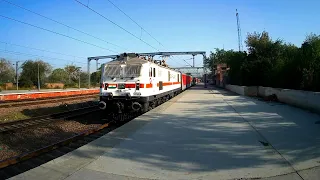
x=154, y=80
x=184, y=81
x=188, y=81
x=159, y=79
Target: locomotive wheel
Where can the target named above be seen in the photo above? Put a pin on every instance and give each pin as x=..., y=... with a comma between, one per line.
x=152, y=105
x=145, y=107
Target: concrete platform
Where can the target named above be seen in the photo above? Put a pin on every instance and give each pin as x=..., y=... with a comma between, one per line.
x=200, y=134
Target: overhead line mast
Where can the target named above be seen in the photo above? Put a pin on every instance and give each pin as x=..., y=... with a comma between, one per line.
x=239, y=31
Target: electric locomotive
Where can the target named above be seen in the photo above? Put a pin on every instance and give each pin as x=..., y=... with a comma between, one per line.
x=132, y=83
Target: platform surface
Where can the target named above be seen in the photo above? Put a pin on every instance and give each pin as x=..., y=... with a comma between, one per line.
x=200, y=134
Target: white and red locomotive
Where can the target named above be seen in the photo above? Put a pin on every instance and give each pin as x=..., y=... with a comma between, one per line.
x=131, y=84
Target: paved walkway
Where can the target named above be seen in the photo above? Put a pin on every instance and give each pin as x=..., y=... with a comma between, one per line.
x=200, y=134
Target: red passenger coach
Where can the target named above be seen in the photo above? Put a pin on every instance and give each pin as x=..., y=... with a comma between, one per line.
x=196, y=81
x=184, y=81
x=189, y=81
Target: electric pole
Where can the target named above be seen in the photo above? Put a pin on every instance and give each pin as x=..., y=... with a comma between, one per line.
x=17, y=78
x=193, y=60
x=79, y=74
x=239, y=31
x=38, y=77
x=97, y=64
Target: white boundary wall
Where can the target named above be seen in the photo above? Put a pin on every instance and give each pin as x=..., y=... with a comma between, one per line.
x=303, y=99
x=243, y=90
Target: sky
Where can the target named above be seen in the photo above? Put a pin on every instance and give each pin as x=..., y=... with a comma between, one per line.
x=179, y=25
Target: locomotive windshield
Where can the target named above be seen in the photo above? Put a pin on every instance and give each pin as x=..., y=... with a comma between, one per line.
x=132, y=70
x=125, y=71
x=112, y=71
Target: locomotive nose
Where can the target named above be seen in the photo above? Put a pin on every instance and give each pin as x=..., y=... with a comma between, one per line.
x=102, y=105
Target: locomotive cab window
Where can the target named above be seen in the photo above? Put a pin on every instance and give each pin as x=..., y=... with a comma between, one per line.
x=150, y=72
x=168, y=75
x=154, y=72
x=116, y=71
x=178, y=77
x=132, y=70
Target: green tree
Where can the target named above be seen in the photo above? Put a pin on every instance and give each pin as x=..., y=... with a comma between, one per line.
x=310, y=65
x=72, y=72
x=58, y=75
x=29, y=74
x=95, y=77
x=7, y=73
x=272, y=63
x=84, y=79
x=264, y=55
x=287, y=73
x=235, y=61
x=216, y=57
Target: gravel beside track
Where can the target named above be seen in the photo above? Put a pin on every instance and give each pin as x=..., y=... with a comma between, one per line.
x=30, y=139
x=24, y=112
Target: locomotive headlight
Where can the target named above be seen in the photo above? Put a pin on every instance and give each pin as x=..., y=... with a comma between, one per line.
x=138, y=85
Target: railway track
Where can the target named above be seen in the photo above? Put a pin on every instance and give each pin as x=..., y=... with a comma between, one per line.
x=6, y=104
x=29, y=160
x=14, y=125
x=24, y=162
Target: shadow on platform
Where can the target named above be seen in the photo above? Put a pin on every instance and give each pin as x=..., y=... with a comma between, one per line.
x=219, y=142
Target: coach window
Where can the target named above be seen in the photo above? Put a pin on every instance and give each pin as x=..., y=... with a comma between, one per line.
x=154, y=72
x=168, y=75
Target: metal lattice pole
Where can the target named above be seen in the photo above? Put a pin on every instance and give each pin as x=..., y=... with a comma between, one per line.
x=89, y=73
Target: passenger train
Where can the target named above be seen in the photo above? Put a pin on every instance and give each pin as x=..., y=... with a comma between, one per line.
x=133, y=83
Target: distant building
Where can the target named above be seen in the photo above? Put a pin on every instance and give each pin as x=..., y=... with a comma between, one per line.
x=219, y=74
x=6, y=86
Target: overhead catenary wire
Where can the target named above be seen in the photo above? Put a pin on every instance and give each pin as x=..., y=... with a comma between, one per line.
x=185, y=60
x=116, y=25
x=48, y=18
x=42, y=50
x=119, y=25
x=77, y=29
x=14, y=60
x=176, y=61
x=54, y=32
x=135, y=22
x=38, y=56
x=139, y=26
